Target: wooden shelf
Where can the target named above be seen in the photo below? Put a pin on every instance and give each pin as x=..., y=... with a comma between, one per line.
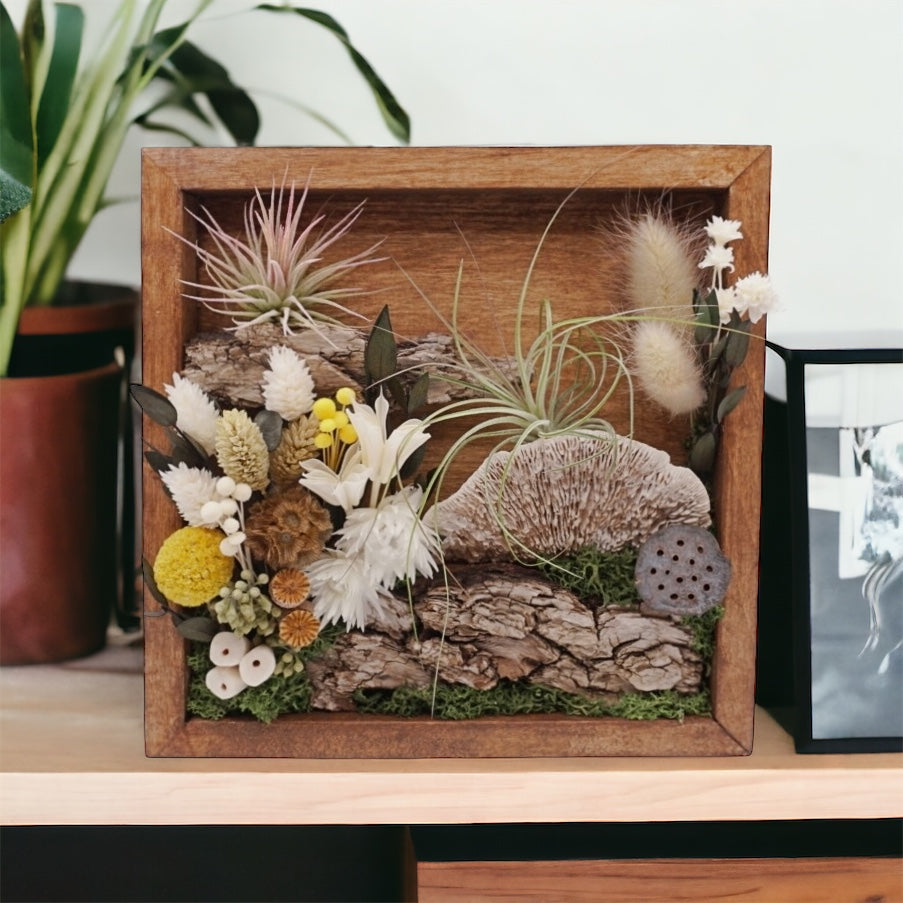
x=72, y=752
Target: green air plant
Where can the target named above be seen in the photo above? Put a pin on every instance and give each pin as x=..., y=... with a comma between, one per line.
x=276, y=272
x=64, y=116
x=558, y=385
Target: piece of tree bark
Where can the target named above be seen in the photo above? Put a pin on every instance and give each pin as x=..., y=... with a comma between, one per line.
x=507, y=621
x=229, y=365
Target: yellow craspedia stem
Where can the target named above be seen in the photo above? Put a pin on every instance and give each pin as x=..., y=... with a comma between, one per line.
x=345, y=395
x=190, y=569
x=324, y=408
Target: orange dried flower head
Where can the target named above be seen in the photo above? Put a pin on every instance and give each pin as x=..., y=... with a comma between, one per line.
x=287, y=529
x=299, y=628
x=290, y=588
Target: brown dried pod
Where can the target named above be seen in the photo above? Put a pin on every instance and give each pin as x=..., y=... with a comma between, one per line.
x=287, y=529
x=295, y=446
x=290, y=588
x=680, y=570
x=299, y=628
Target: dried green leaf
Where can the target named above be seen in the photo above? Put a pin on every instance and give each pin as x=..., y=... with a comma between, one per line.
x=702, y=454
x=419, y=392
x=157, y=460
x=270, y=425
x=381, y=353
x=186, y=451
x=729, y=402
x=201, y=630
x=147, y=571
x=158, y=407
x=737, y=343
x=708, y=317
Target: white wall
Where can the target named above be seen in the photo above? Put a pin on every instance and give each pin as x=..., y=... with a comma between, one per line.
x=819, y=80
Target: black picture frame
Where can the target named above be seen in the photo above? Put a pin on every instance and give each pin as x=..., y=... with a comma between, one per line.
x=845, y=701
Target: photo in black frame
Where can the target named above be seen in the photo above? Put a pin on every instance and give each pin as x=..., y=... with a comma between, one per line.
x=845, y=459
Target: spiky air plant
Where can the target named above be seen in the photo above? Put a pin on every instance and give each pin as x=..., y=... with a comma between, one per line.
x=275, y=271
x=559, y=384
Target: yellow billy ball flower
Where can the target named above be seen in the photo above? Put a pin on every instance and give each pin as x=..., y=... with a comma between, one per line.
x=323, y=440
x=324, y=408
x=345, y=395
x=348, y=434
x=328, y=425
x=190, y=569
x=340, y=420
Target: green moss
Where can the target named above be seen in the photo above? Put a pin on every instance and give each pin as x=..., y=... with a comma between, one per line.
x=703, y=627
x=456, y=703
x=280, y=695
x=600, y=578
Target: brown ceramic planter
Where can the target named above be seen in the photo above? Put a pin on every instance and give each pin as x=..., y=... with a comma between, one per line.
x=61, y=414
x=58, y=446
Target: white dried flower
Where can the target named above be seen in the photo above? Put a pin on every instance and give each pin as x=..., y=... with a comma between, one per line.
x=288, y=387
x=391, y=538
x=343, y=588
x=755, y=296
x=727, y=301
x=719, y=258
x=197, y=414
x=193, y=490
x=227, y=648
x=666, y=367
x=257, y=665
x=721, y=231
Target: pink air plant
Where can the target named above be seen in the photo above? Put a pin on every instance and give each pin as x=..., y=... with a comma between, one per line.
x=274, y=271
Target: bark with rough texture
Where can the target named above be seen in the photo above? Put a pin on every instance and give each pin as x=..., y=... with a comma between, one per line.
x=229, y=365
x=505, y=621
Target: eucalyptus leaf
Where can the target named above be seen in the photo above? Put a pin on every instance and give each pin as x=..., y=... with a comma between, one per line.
x=270, y=425
x=186, y=451
x=157, y=460
x=737, y=344
x=198, y=629
x=729, y=402
x=392, y=112
x=708, y=317
x=158, y=407
x=702, y=454
x=147, y=571
x=412, y=464
x=419, y=392
x=381, y=352
x=397, y=391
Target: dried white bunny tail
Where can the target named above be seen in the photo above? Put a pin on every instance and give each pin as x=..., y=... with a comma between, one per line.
x=661, y=269
x=666, y=368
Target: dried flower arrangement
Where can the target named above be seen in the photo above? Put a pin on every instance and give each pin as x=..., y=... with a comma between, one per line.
x=574, y=571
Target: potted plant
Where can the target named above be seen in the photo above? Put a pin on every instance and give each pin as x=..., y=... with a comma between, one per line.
x=63, y=120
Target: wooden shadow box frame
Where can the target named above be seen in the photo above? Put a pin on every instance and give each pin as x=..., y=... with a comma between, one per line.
x=487, y=207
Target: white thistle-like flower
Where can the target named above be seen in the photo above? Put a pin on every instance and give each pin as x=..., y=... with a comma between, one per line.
x=343, y=588
x=288, y=387
x=721, y=231
x=719, y=258
x=391, y=539
x=755, y=296
x=197, y=414
x=727, y=301
x=192, y=489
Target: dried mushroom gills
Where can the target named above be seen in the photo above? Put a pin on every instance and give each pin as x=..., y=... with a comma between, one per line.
x=567, y=493
x=509, y=622
x=230, y=365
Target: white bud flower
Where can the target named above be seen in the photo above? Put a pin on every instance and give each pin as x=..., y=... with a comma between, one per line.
x=225, y=486
x=224, y=683
x=230, y=525
x=257, y=665
x=227, y=648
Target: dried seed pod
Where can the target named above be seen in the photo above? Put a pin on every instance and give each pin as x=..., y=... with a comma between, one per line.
x=681, y=570
x=299, y=628
x=257, y=665
x=287, y=529
x=227, y=648
x=290, y=588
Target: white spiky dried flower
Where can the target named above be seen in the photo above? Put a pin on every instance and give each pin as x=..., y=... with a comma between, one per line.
x=288, y=387
x=197, y=414
x=192, y=489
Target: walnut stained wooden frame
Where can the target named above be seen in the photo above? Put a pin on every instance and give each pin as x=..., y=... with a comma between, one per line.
x=435, y=207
